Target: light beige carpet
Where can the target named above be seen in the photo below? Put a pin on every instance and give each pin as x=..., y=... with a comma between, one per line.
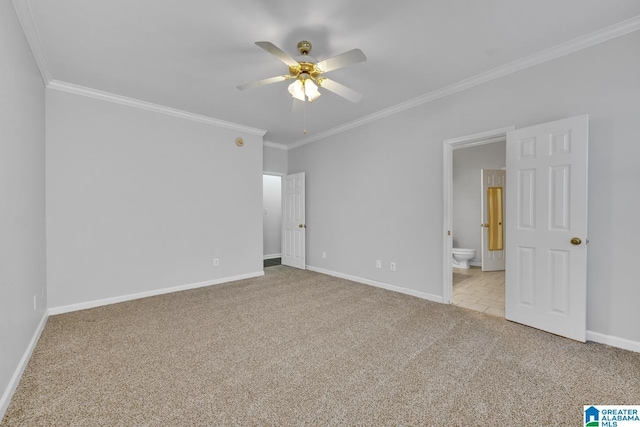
x=300, y=348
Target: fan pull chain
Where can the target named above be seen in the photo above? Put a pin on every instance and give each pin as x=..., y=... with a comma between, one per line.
x=304, y=114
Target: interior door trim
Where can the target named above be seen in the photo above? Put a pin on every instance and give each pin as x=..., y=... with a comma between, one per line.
x=449, y=145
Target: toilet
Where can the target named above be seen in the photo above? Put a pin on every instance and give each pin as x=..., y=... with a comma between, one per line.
x=462, y=256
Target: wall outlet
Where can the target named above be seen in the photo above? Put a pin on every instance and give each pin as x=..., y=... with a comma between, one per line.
x=378, y=264
x=35, y=302
x=392, y=266
x=216, y=262
x=324, y=255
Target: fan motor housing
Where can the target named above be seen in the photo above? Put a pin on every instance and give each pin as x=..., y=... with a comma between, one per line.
x=305, y=67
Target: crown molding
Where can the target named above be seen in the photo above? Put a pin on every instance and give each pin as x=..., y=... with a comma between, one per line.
x=592, y=39
x=25, y=16
x=275, y=145
x=143, y=105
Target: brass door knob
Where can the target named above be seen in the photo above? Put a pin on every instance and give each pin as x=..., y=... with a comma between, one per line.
x=576, y=241
x=302, y=226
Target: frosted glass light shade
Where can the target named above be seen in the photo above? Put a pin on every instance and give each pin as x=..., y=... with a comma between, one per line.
x=296, y=89
x=311, y=90
x=301, y=88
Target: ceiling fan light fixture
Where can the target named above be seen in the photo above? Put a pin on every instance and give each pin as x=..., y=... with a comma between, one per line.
x=311, y=90
x=307, y=73
x=304, y=89
x=296, y=89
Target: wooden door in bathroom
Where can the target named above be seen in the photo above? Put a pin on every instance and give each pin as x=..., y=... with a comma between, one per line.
x=546, y=227
x=492, y=257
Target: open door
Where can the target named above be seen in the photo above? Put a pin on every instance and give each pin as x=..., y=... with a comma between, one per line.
x=293, y=221
x=546, y=227
x=492, y=240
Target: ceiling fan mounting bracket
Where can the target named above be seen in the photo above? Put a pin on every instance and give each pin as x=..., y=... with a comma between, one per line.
x=304, y=47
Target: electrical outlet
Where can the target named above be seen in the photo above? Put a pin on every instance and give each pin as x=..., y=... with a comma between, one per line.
x=392, y=266
x=216, y=262
x=378, y=264
x=324, y=255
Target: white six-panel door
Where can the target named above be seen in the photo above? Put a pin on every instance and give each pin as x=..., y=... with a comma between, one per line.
x=293, y=221
x=546, y=227
x=491, y=260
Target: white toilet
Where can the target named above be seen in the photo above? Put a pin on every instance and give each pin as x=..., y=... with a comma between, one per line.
x=462, y=256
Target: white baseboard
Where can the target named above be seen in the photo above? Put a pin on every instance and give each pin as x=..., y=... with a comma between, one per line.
x=382, y=285
x=476, y=263
x=272, y=256
x=17, y=374
x=622, y=343
x=123, y=298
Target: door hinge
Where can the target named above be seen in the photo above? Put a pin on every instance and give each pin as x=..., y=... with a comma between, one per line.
x=448, y=232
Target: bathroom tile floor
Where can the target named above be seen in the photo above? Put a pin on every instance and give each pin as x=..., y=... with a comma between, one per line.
x=479, y=290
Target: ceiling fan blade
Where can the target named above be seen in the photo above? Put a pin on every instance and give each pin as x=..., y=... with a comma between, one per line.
x=347, y=58
x=341, y=90
x=278, y=53
x=263, y=82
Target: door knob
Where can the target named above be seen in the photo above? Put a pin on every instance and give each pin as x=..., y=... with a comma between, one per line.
x=302, y=226
x=576, y=241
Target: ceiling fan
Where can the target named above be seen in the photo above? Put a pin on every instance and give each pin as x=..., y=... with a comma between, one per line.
x=309, y=73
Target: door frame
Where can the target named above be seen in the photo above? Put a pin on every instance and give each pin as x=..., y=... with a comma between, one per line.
x=449, y=145
x=281, y=175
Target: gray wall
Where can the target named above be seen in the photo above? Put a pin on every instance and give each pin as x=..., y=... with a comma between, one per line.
x=139, y=201
x=272, y=215
x=375, y=192
x=22, y=198
x=467, y=186
x=274, y=161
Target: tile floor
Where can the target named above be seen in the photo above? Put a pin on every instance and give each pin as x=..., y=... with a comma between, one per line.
x=478, y=290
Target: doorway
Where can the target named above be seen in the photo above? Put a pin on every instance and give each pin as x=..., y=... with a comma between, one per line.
x=479, y=290
x=450, y=145
x=293, y=221
x=284, y=227
x=546, y=223
x=474, y=170
x=271, y=220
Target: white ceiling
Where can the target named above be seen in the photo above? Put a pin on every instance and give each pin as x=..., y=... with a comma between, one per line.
x=191, y=55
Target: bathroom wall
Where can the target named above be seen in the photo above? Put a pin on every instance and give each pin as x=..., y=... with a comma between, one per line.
x=467, y=188
x=272, y=216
